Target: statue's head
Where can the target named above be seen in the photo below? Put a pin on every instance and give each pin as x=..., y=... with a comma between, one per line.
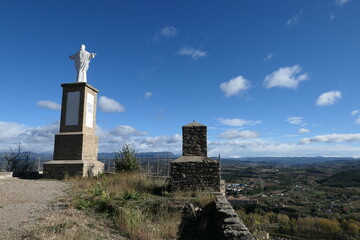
x=82, y=47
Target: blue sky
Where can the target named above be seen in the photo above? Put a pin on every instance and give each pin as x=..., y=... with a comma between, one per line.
x=268, y=78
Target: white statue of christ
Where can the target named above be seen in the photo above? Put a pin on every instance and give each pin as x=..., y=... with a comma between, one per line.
x=82, y=60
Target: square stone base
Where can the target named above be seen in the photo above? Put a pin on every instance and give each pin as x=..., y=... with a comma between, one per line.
x=58, y=169
x=76, y=146
x=195, y=173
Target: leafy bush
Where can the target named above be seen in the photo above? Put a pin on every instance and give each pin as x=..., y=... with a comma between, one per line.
x=125, y=160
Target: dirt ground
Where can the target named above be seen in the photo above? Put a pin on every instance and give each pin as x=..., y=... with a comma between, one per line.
x=39, y=209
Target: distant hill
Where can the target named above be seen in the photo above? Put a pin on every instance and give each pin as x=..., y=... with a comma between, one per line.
x=262, y=160
x=48, y=156
x=33, y=156
x=140, y=155
x=286, y=160
x=350, y=178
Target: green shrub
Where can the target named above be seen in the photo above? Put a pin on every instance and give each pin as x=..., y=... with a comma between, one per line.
x=125, y=160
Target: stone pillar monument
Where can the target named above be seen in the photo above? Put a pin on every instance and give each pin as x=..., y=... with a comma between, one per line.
x=76, y=145
x=194, y=171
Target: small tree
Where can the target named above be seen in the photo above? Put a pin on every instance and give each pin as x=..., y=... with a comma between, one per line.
x=125, y=159
x=17, y=160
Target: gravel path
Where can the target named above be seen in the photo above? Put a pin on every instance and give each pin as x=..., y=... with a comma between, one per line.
x=22, y=202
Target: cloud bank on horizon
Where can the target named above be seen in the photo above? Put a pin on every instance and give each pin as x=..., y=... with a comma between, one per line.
x=233, y=143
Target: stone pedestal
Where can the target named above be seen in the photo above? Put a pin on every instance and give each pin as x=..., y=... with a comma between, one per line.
x=76, y=145
x=194, y=171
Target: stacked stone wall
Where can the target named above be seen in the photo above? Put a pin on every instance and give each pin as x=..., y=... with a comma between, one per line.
x=216, y=221
x=229, y=225
x=194, y=141
x=195, y=176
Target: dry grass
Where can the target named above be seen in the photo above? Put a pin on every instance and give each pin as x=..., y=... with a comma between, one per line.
x=121, y=183
x=141, y=207
x=121, y=206
x=199, y=198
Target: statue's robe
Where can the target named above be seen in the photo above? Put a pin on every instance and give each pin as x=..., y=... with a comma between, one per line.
x=82, y=60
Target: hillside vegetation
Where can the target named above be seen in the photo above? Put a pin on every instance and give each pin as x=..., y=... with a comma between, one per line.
x=350, y=178
x=310, y=201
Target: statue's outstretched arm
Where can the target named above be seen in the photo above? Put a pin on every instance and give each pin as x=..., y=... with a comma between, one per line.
x=72, y=57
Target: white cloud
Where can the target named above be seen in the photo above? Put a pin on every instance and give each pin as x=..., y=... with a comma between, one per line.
x=295, y=20
x=328, y=98
x=243, y=147
x=169, y=31
x=112, y=140
x=303, y=130
x=233, y=134
x=238, y=122
x=101, y=133
x=192, y=52
x=41, y=134
x=341, y=2
x=287, y=77
x=49, y=104
x=162, y=139
x=142, y=143
x=257, y=147
x=332, y=138
x=269, y=57
x=110, y=105
x=355, y=112
x=10, y=130
x=124, y=130
x=35, y=139
x=331, y=17
x=295, y=121
x=166, y=32
x=148, y=94
x=235, y=86
x=160, y=143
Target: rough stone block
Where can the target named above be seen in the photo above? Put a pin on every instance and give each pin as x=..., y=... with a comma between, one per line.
x=195, y=173
x=194, y=139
